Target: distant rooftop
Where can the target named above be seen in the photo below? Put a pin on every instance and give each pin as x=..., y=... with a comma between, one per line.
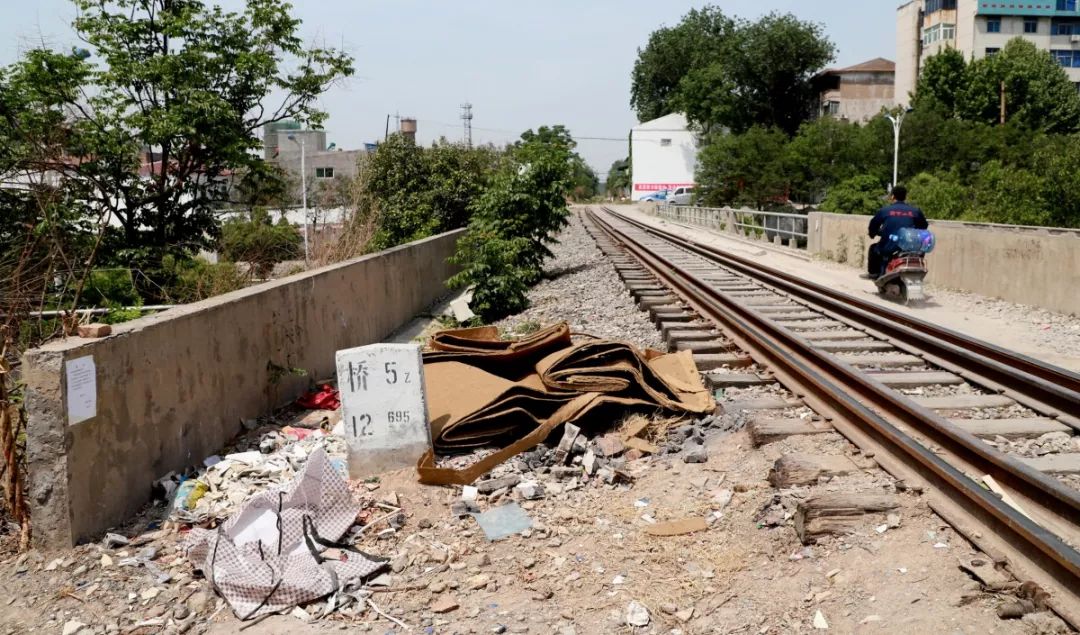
x=876, y=65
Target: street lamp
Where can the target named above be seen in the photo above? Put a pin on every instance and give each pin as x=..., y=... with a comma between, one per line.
x=303, y=189
x=897, y=121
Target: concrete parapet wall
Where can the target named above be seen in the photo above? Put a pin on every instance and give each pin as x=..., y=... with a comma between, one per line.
x=1029, y=265
x=173, y=388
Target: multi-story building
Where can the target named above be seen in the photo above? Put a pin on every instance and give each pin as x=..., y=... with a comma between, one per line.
x=856, y=93
x=978, y=28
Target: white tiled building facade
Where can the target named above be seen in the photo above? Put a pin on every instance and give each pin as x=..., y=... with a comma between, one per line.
x=978, y=28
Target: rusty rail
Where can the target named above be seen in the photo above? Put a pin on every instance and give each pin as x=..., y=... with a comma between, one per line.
x=875, y=417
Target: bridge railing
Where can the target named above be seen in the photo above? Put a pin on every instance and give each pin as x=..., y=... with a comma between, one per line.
x=777, y=227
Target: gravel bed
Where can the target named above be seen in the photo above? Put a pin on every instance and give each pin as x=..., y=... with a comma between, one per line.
x=1056, y=331
x=943, y=390
x=583, y=289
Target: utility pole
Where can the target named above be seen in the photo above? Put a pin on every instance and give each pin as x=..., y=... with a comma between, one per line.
x=466, y=116
x=303, y=188
x=1003, y=103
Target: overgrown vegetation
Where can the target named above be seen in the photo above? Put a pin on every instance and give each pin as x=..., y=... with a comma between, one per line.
x=746, y=87
x=728, y=73
x=515, y=220
x=253, y=238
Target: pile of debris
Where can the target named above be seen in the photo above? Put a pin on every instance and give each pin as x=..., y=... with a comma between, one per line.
x=266, y=456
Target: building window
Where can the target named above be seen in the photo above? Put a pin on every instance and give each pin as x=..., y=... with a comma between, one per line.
x=990, y=52
x=665, y=142
x=1066, y=5
x=948, y=31
x=993, y=25
x=933, y=6
x=832, y=107
x=324, y=173
x=1064, y=27
x=931, y=34
x=1068, y=59
x=1031, y=25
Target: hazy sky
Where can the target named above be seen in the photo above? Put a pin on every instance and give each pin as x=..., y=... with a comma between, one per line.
x=521, y=64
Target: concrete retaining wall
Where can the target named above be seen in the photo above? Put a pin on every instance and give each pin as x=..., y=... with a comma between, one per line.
x=1034, y=266
x=173, y=388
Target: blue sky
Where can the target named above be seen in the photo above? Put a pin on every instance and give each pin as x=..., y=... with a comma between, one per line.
x=521, y=64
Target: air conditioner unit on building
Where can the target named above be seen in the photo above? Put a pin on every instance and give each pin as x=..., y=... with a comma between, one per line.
x=1075, y=39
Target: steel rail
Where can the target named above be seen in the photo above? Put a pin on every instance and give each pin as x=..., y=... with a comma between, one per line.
x=1055, y=387
x=836, y=389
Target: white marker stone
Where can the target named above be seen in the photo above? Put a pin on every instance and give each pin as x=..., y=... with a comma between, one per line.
x=384, y=408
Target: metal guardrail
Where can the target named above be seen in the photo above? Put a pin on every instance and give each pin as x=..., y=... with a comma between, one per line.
x=777, y=227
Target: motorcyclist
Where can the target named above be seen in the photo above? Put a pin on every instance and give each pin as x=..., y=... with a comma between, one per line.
x=886, y=223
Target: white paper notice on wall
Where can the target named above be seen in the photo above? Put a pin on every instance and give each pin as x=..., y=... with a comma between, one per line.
x=384, y=407
x=81, y=375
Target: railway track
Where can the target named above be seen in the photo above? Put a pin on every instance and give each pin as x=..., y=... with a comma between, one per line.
x=935, y=408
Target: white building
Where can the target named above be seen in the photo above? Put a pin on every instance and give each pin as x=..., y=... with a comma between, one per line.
x=663, y=154
x=978, y=28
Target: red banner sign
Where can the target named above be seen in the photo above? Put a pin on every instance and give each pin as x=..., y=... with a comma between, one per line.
x=656, y=187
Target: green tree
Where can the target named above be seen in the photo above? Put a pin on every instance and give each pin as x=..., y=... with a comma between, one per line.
x=744, y=168
x=1009, y=195
x=1038, y=92
x=1059, y=164
x=939, y=196
x=514, y=221
x=187, y=85
x=941, y=82
x=416, y=192
x=762, y=76
x=262, y=184
x=731, y=74
x=671, y=53
x=618, y=179
x=861, y=194
x=253, y=238
x=584, y=182
x=825, y=151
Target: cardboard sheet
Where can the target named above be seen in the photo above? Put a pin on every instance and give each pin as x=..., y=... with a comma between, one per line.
x=514, y=394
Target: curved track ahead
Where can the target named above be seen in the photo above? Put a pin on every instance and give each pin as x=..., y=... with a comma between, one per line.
x=777, y=319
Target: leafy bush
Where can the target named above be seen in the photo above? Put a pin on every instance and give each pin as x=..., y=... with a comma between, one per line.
x=110, y=288
x=857, y=195
x=512, y=223
x=197, y=279
x=254, y=239
x=939, y=196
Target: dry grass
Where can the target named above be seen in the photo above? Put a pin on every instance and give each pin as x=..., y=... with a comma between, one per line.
x=655, y=430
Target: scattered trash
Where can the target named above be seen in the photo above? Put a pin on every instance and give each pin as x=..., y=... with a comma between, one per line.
x=325, y=398
x=115, y=540
x=819, y=622
x=677, y=528
x=504, y=521
x=637, y=614
x=284, y=531
x=1015, y=610
x=189, y=493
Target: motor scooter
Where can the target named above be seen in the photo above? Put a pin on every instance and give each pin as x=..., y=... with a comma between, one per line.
x=905, y=271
